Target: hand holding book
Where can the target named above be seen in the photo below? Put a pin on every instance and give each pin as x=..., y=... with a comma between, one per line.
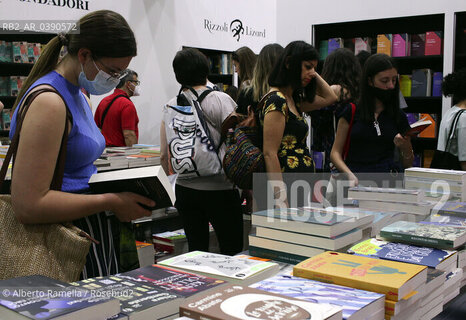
x=417, y=127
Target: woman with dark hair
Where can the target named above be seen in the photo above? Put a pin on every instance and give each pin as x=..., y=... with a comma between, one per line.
x=342, y=72
x=250, y=95
x=294, y=84
x=378, y=124
x=96, y=57
x=244, y=60
x=454, y=85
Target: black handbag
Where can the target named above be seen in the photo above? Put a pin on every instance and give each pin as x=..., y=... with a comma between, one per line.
x=444, y=159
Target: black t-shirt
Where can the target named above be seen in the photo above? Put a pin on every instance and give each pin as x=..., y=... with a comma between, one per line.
x=368, y=148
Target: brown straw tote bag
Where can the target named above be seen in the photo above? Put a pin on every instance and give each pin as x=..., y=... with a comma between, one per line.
x=55, y=250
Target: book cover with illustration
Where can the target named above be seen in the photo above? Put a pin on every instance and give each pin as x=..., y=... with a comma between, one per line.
x=222, y=266
x=429, y=257
x=440, y=220
x=444, y=237
x=355, y=303
x=137, y=300
x=396, y=280
x=180, y=282
x=239, y=302
x=452, y=208
x=384, y=44
x=39, y=297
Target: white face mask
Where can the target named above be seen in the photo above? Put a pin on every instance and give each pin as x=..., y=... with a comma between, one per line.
x=136, y=91
x=102, y=83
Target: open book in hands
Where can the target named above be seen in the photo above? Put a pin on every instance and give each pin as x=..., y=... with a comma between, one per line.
x=417, y=127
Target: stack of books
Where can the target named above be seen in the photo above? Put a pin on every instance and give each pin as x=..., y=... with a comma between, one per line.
x=408, y=201
x=115, y=158
x=293, y=235
x=451, y=182
x=399, y=282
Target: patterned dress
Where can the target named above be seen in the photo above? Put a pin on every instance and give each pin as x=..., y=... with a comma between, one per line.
x=293, y=154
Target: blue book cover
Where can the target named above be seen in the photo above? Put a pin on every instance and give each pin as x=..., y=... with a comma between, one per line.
x=349, y=299
x=440, y=220
x=401, y=252
x=334, y=43
x=453, y=208
x=437, y=79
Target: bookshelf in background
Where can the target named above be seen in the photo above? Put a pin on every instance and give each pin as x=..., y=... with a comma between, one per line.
x=221, y=71
x=420, y=66
x=18, y=53
x=460, y=40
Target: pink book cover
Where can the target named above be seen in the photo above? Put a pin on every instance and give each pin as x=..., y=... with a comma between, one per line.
x=433, y=43
x=399, y=42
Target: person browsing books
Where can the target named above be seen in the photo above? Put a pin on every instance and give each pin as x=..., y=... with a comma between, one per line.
x=200, y=199
x=116, y=114
x=342, y=72
x=454, y=85
x=96, y=58
x=378, y=124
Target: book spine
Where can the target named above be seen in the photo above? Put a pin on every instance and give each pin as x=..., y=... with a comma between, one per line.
x=443, y=212
x=416, y=239
x=276, y=255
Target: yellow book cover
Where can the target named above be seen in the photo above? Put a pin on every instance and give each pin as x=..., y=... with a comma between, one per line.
x=384, y=43
x=405, y=85
x=394, y=279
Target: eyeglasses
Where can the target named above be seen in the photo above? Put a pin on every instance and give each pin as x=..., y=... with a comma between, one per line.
x=115, y=75
x=136, y=82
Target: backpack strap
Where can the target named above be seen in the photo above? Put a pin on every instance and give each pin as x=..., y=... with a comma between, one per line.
x=348, y=136
x=104, y=114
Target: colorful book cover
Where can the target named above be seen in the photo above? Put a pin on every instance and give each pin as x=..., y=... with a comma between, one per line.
x=430, y=131
x=39, y=297
x=412, y=117
x=387, y=277
x=400, y=44
x=334, y=43
x=16, y=51
x=418, y=42
x=362, y=44
x=437, y=79
x=457, y=209
x=239, y=302
x=384, y=43
x=423, y=256
x=137, y=299
x=433, y=44
x=440, y=220
x=424, y=234
x=218, y=264
x=349, y=299
x=405, y=85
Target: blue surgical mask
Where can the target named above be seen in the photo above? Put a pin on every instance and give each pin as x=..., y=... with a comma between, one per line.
x=102, y=83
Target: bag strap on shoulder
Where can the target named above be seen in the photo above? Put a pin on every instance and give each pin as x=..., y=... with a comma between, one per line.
x=453, y=129
x=58, y=174
x=104, y=114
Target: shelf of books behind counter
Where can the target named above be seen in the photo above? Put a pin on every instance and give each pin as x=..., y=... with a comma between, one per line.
x=415, y=43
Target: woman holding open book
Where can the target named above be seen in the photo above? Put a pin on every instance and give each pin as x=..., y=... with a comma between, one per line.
x=375, y=127
x=96, y=57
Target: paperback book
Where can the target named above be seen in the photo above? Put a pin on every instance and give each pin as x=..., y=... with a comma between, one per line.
x=451, y=208
x=386, y=194
x=236, y=270
x=418, y=126
x=150, y=182
x=444, y=237
x=239, y=302
x=429, y=257
x=39, y=297
x=283, y=246
x=451, y=221
x=396, y=280
x=356, y=304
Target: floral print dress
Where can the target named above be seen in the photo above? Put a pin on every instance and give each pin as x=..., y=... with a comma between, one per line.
x=293, y=154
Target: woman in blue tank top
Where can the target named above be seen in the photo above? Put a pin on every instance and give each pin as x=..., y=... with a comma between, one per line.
x=96, y=59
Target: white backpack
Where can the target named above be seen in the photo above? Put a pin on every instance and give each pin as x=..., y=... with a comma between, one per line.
x=192, y=150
